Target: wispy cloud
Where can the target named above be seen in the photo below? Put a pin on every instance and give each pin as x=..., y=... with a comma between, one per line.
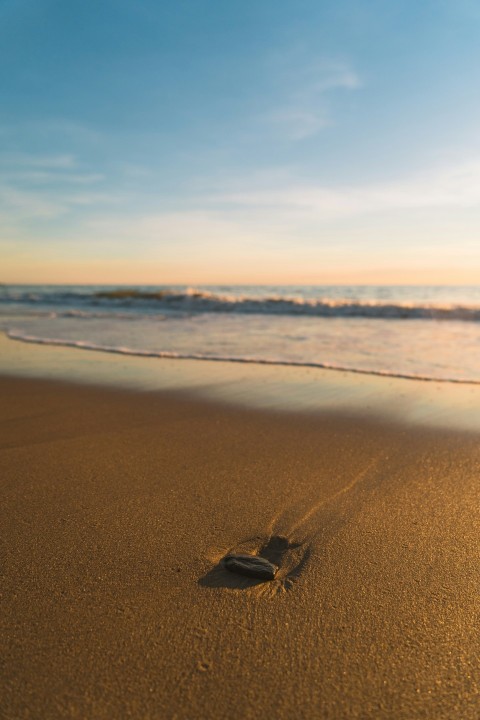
x=162, y=233
x=77, y=133
x=304, y=105
x=47, y=177
x=18, y=205
x=45, y=169
x=457, y=186
x=30, y=160
x=36, y=186
x=297, y=123
x=277, y=215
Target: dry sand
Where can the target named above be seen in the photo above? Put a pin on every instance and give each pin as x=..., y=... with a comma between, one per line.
x=117, y=507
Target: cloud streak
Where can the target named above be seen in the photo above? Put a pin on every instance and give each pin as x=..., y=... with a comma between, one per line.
x=451, y=187
x=304, y=109
x=45, y=187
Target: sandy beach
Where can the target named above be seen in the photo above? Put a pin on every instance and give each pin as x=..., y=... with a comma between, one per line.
x=118, y=506
x=239, y=361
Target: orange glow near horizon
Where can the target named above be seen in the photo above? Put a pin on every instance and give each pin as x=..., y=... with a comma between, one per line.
x=121, y=272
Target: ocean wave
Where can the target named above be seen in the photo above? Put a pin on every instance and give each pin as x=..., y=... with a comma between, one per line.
x=119, y=350
x=193, y=301
x=87, y=315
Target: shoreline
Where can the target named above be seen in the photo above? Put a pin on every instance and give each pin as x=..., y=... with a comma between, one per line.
x=167, y=355
x=288, y=389
x=120, y=504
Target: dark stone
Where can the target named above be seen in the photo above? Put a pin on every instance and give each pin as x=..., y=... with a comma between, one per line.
x=251, y=566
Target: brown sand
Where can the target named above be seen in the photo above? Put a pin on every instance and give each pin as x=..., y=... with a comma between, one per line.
x=116, y=508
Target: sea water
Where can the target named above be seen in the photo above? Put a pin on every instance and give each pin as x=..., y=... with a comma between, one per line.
x=407, y=331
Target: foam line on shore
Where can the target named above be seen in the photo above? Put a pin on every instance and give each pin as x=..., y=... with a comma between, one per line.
x=167, y=354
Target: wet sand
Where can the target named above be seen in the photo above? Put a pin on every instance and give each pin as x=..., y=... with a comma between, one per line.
x=118, y=507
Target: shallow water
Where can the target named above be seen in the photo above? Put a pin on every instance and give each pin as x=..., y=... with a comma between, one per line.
x=423, y=332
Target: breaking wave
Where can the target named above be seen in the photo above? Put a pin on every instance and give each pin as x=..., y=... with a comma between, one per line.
x=203, y=301
x=193, y=300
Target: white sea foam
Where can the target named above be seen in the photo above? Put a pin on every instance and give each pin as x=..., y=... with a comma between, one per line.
x=196, y=301
x=192, y=300
x=119, y=350
x=415, y=332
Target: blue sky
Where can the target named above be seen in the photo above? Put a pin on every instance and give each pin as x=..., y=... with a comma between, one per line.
x=263, y=141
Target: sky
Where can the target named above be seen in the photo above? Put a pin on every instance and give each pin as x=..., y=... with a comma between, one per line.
x=275, y=141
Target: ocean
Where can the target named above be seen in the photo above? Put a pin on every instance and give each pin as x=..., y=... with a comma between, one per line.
x=426, y=332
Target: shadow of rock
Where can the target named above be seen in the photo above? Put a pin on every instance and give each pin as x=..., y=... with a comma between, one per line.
x=219, y=576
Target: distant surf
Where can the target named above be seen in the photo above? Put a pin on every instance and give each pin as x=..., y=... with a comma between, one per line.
x=193, y=300
x=418, y=332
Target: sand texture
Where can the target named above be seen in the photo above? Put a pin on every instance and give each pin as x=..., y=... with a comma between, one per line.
x=118, y=507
